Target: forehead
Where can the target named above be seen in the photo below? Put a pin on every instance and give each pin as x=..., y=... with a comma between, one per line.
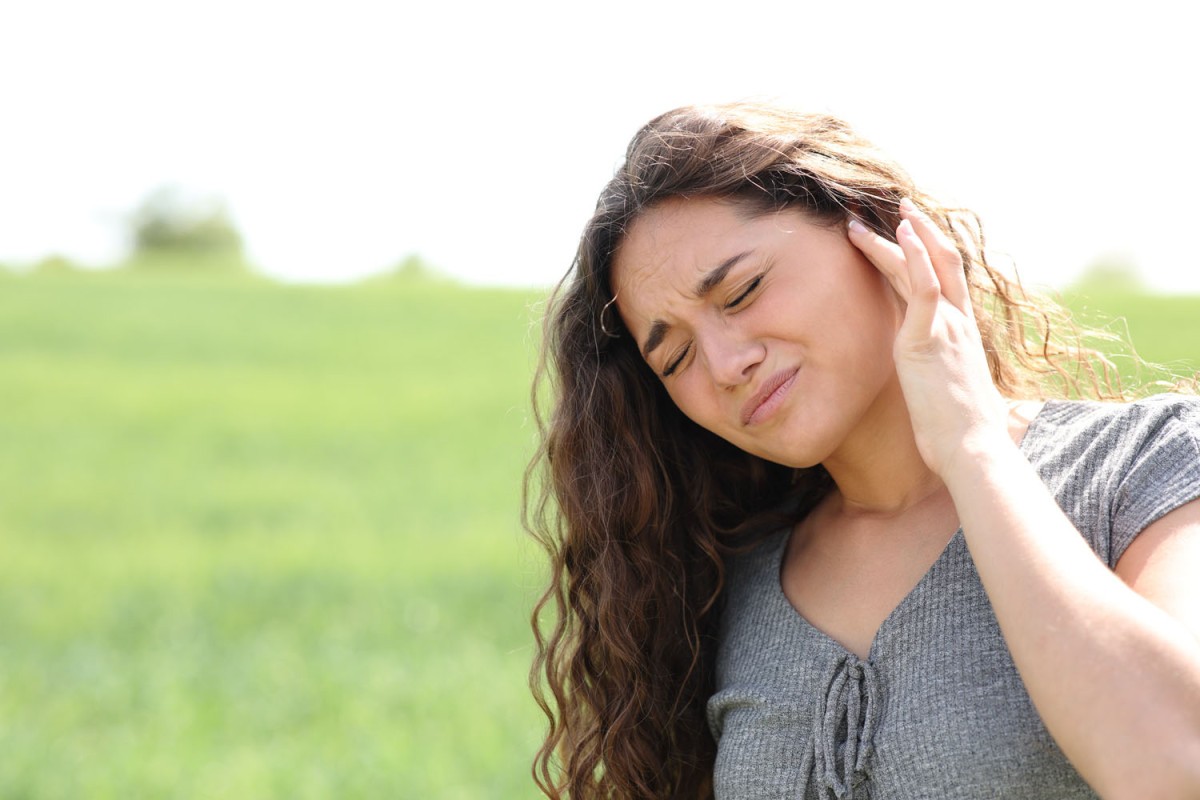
x=676, y=238
x=669, y=248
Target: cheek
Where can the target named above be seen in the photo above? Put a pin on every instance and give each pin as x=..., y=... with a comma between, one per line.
x=875, y=309
x=694, y=400
x=891, y=307
x=889, y=316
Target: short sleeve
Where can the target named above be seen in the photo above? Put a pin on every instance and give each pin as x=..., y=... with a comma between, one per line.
x=1164, y=472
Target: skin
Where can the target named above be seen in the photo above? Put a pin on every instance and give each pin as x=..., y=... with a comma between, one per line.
x=893, y=396
x=800, y=298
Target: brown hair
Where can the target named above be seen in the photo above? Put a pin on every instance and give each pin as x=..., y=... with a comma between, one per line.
x=636, y=505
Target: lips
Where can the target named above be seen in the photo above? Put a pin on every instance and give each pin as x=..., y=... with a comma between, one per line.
x=769, y=396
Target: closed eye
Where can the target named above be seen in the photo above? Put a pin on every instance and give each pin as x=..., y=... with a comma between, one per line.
x=754, y=284
x=675, y=362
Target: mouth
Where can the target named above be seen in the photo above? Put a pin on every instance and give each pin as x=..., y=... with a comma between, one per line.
x=769, y=396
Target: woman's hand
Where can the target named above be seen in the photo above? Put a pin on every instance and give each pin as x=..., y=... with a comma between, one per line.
x=954, y=406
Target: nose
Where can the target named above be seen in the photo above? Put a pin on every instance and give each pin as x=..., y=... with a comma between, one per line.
x=731, y=359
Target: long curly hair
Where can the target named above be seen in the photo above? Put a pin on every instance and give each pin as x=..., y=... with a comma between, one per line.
x=637, y=506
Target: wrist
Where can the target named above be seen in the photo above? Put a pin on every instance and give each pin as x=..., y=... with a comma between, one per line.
x=979, y=458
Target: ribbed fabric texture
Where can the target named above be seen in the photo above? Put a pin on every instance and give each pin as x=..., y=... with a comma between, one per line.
x=937, y=710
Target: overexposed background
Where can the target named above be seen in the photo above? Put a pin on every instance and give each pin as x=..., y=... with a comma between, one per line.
x=346, y=136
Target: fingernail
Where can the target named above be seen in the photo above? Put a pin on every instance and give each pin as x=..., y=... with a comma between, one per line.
x=907, y=205
x=906, y=229
x=856, y=227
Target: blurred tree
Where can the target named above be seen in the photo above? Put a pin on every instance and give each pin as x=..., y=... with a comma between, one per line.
x=411, y=269
x=55, y=264
x=1111, y=273
x=413, y=266
x=172, y=226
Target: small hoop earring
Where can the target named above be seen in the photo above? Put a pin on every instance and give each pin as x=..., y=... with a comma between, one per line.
x=604, y=327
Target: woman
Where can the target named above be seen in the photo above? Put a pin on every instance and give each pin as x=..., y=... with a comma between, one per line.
x=801, y=488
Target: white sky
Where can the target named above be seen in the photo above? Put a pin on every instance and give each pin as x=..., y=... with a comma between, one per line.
x=346, y=135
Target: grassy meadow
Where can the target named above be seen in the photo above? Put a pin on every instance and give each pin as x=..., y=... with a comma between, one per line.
x=262, y=541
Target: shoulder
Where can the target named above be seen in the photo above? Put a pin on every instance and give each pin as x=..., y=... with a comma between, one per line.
x=756, y=568
x=751, y=616
x=751, y=584
x=1067, y=430
x=1115, y=468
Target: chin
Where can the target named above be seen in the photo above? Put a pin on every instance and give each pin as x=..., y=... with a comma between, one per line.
x=794, y=460
x=797, y=463
x=800, y=448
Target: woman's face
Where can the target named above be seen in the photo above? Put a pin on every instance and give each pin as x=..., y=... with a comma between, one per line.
x=771, y=331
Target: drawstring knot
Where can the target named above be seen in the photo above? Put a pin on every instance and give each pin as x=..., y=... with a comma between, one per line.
x=846, y=727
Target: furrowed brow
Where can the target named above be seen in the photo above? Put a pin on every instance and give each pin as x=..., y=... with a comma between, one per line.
x=711, y=280
x=658, y=332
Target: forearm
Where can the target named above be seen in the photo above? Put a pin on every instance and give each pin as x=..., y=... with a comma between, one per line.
x=1115, y=679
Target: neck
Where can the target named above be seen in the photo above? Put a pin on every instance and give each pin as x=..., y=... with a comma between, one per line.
x=878, y=469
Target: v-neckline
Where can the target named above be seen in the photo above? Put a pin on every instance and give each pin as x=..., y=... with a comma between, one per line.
x=781, y=597
x=957, y=538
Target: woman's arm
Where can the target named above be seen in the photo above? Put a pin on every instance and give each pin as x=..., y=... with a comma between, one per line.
x=1161, y=565
x=1112, y=666
x=1115, y=677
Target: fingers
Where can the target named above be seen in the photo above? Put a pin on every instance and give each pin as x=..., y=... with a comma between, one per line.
x=887, y=257
x=926, y=292
x=943, y=256
x=891, y=259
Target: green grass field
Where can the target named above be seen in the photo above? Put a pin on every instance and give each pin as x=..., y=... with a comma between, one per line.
x=262, y=541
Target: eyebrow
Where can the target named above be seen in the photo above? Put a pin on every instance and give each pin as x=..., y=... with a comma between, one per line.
x=709, y=281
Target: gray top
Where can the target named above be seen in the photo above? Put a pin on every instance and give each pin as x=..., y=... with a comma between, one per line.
x=937, y=710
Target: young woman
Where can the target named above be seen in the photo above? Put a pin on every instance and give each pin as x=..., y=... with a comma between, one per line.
x=820, y=519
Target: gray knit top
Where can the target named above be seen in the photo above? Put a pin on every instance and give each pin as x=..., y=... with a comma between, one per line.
x=937, y=710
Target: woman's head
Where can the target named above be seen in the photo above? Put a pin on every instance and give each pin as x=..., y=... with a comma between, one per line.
x=763, y=159
x=770, y=330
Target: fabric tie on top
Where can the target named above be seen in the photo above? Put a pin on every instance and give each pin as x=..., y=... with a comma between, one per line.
x=843, y=744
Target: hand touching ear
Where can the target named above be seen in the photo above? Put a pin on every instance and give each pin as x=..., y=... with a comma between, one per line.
x=943, y=371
